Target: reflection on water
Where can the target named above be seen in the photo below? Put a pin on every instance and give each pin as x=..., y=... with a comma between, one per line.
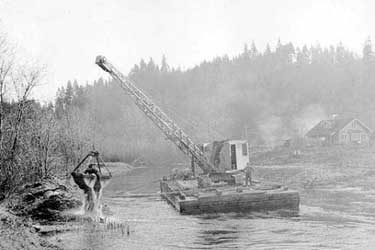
x=216, y=237
x=329, y=218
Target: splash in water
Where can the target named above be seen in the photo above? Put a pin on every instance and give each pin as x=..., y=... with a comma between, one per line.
x=92, y=185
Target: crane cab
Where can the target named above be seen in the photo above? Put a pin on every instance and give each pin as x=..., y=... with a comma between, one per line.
x=227, y=155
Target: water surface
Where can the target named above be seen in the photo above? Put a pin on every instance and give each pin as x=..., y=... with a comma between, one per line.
x=340, y=216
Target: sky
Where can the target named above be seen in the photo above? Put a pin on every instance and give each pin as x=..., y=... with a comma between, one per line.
x=66, y=36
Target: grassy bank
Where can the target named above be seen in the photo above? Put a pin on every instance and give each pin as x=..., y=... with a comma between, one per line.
x=319, y=166
x=332, y=155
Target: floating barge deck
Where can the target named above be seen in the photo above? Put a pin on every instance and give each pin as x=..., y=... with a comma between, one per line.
x=187, y=198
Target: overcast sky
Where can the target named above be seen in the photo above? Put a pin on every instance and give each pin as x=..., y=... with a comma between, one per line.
x=67, y=35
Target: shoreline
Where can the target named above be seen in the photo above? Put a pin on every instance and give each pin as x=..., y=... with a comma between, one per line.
x=20, y=233
x=21, y=229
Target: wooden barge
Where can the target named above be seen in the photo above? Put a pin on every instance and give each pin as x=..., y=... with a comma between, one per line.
x=187, y=198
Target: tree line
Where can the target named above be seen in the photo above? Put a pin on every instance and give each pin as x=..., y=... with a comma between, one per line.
x=263, y=96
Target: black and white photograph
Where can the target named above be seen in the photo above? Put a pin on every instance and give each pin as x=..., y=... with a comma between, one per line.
x=187, y=124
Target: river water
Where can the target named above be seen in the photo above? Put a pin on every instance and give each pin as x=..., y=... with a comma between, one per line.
x=330, y=217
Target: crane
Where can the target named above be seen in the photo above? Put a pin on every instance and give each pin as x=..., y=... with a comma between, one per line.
x=170, y=129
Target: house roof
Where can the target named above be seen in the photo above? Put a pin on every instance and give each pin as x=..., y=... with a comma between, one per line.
x=330, y=127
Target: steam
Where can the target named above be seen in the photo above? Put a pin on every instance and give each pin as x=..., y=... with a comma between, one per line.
x=275, y=130
x=309, y=117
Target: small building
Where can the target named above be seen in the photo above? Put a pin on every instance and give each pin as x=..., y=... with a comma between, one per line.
x=341, y=131
x=227, y=155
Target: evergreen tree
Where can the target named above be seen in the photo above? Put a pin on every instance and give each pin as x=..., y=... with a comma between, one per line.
x=267, y=51
x=253, y=50
x=164, y=65
x=142, y=65
x=59, y=102
x=278, y=45
x=68, y=99
x=367, y=52
x=151, y=66
x=134, y=71
x=343, y=56
x=78, y=95
x=245, y=52
x=316, y=54
x=303, y=56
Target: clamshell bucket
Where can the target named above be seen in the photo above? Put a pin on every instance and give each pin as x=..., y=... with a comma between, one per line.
x=88, y=178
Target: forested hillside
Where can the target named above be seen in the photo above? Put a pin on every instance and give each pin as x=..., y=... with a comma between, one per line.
x=267, y=96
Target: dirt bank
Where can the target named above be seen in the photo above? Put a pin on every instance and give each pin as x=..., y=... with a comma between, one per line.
x=23, y=214
x=19, y=233
x=44, y=200
x=42, y=209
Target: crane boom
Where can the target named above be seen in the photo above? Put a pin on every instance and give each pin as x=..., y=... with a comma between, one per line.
x=157, y=116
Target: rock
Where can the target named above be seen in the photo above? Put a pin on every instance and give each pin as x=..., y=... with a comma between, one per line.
x=48, y=194
x=37, y=228
x=29, y=197
x=33, y=185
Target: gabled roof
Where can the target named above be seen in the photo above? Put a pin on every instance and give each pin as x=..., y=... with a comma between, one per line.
x=330, y=127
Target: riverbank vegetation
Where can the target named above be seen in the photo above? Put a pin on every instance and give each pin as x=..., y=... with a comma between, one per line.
x=35, y=143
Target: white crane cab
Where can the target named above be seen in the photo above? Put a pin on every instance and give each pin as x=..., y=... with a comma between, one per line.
x=228, y=155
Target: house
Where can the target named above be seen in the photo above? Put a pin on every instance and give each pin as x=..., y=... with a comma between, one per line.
x=341, y=131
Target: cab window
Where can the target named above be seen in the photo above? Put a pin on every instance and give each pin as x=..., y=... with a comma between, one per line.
x=244, y=149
